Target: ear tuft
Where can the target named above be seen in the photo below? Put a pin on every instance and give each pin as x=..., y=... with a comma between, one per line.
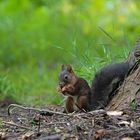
x=69, y=68
x=62, y=66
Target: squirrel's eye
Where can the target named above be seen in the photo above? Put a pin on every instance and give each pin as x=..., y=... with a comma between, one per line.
x=66, y=77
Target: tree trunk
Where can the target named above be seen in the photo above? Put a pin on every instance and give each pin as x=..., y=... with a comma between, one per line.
x=130, y=89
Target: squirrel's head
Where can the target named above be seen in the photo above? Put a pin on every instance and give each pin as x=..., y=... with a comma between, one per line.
x=67, y=76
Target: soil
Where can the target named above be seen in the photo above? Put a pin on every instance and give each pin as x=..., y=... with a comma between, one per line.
x=95, y=125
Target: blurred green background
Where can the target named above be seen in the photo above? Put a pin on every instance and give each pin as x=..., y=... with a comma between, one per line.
x=37, y=36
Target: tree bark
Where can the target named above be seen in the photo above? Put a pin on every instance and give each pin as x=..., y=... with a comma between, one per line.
x=129, y=91
x=130, y=88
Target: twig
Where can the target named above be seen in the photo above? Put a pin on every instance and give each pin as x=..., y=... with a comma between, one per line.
x=13, y=124
x=56, y=123
x=92, y=113
x=125, y=129
x=52, y=137
x=35, y=109
x=3, y=115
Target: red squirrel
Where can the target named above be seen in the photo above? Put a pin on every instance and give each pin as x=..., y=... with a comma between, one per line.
x=81, y=96
x=104, y=84
x=75, y=88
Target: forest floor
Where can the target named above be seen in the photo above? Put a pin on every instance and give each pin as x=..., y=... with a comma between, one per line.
x=24, y=124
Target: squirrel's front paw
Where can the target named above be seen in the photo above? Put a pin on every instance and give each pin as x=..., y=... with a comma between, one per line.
x=69, y=88
x=64, y=89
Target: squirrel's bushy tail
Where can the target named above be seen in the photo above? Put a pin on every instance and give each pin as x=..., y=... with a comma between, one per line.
x=105, y=84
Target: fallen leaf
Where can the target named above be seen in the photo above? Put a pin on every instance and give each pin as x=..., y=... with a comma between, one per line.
x=27, y=136
x=99, y=134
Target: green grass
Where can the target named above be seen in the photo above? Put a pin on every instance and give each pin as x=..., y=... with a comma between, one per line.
x=30, y=86
x=6, y=87
x=37, y=37
x=38, y=84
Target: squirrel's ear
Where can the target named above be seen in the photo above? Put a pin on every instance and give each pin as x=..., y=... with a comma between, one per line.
x=69, y=68
x=63, y=67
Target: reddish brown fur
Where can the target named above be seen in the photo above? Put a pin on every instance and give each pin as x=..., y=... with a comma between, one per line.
x=80, y=96
x=76, y=89
x=69, y=105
